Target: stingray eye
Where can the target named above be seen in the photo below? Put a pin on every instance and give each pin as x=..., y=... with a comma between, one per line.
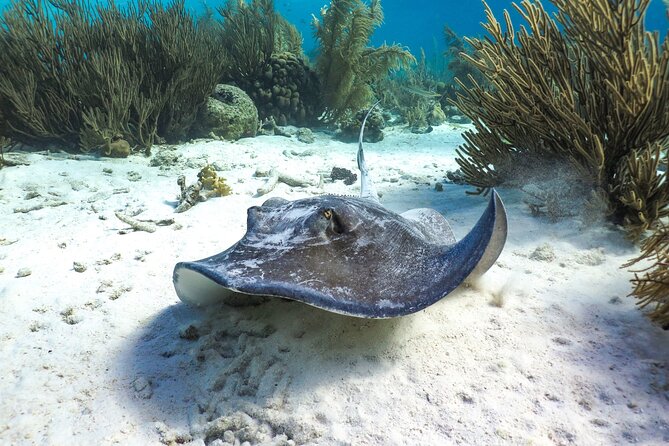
x=327, y=214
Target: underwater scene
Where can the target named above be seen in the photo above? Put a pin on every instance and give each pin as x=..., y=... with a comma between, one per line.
x=334, y=222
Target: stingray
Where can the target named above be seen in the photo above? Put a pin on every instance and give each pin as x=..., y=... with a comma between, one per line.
x=348, y=255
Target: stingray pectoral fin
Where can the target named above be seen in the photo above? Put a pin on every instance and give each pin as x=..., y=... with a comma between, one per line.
x=200, y=285
x=195, y=286
x=432, y=225
x=478, y=250
x=497, y=239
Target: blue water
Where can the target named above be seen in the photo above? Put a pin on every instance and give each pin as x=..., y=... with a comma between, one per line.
x=418, y=23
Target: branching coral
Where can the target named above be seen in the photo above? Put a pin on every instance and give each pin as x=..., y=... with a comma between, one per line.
x=287, y=38
x=589, y=90
x=459, y=66
x=248, y=36
x=3, y=142
x=80, y=73
x=345, y=64
x=651, y=285
x=411, y=93
x=420, y=94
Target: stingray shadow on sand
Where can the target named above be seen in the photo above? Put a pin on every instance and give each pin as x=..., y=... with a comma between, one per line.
x=189, y=366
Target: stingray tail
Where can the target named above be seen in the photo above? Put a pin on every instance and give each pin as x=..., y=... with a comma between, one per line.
x=367, y=189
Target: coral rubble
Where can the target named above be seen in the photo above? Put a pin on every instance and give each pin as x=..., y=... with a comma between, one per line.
x=208, y=185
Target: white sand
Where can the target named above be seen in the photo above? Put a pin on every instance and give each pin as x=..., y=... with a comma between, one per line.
x=106, y=356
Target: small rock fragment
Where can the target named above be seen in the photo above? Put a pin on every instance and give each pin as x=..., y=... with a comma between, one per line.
x=190, y=333
x=466, y=398
x=456, y=177
x=543, y=253
x=24, y=272
x=35, y=326
x=340, y=173
x=591, y=257
x=166, y=158
x=104, y=286
x=115, y=257
x=305, y=135
x=26, y=209
x=134, y=176
x=118, y=292
x=599, y=422
x=70, y=316
x=615, y=300
x=142, y=388
x=77, y=185
x=562, y=341
x=229, y=437
x=79, y=267
x=301, y=154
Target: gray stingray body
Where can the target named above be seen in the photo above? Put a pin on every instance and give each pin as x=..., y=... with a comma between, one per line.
x=347, y=255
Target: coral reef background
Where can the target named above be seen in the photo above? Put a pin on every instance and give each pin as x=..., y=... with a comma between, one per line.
x=401, y=23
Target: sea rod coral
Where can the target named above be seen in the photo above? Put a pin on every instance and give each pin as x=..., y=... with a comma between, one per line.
x=651, y=284
x=87, y=74
x=587, y=90
x=345, y=64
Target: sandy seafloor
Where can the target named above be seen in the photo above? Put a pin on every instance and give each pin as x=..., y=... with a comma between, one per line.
x=546, y=349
